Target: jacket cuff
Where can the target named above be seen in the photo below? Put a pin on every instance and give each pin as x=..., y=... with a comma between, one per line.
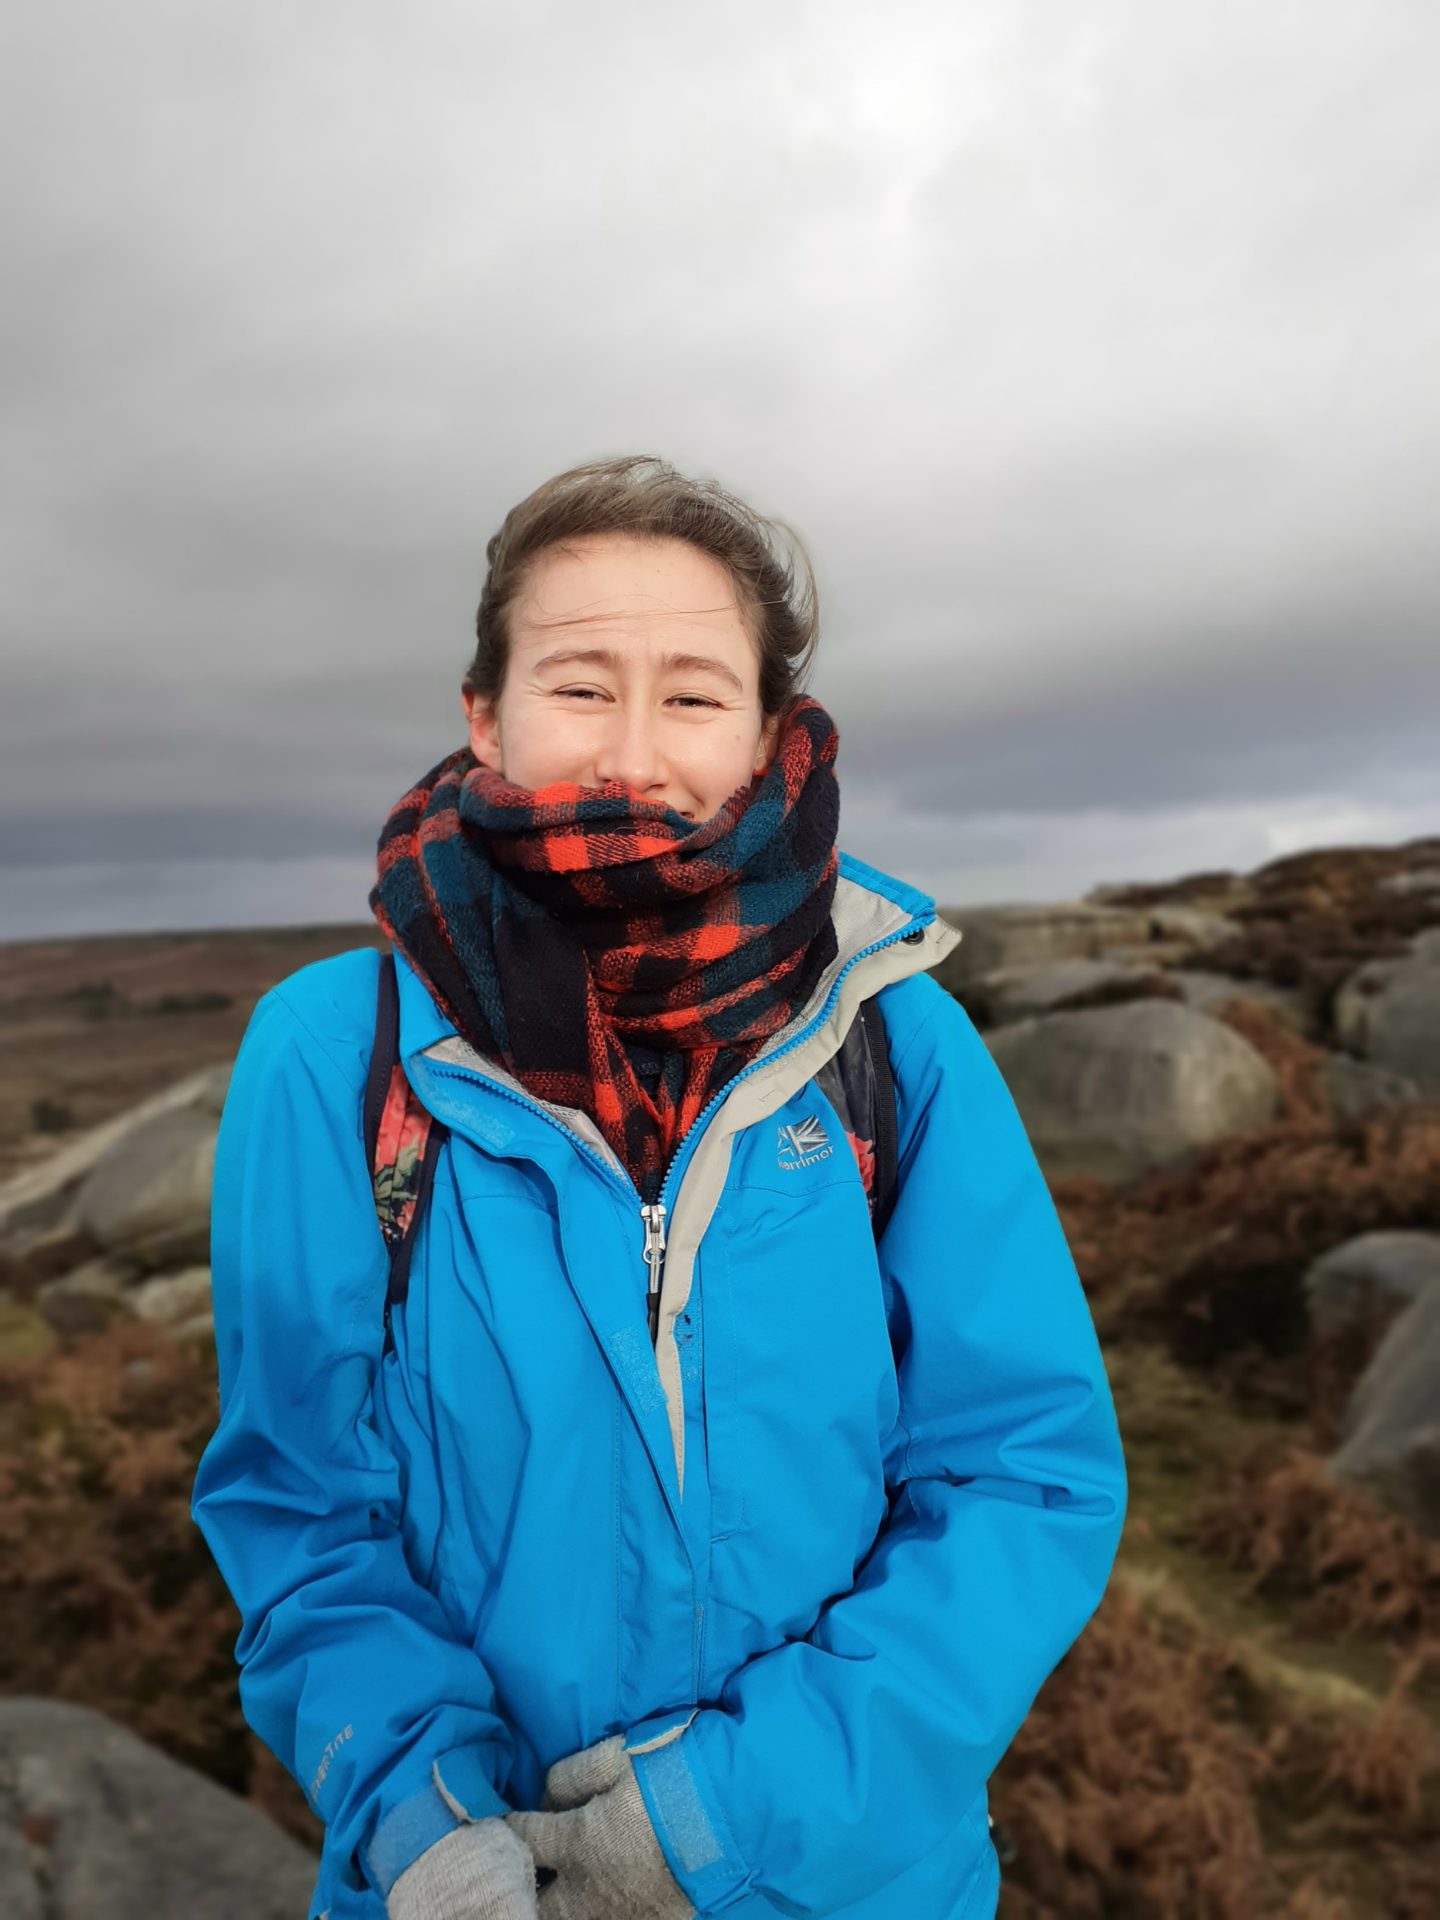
x=679, y=1797
x=459, y=1792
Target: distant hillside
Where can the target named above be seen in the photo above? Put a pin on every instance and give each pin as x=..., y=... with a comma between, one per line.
x=91, y=1026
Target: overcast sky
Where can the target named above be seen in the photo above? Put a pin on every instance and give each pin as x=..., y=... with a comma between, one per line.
x=1091, y=351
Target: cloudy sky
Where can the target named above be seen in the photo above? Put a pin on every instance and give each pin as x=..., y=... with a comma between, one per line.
x=1091, y=350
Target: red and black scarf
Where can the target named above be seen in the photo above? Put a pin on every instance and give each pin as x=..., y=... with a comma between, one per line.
x=610, y=954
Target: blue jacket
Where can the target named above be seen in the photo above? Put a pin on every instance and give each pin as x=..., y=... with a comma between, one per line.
x=830, y=1534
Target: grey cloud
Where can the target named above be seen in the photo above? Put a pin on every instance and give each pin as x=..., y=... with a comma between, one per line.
x=1092, y=356
x=1149, y=747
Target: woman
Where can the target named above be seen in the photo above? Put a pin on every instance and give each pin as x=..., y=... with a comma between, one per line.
x=684, y=1548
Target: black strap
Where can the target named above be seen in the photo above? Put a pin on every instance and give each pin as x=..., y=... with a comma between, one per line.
x=887, y=1122
x=400, y=1258
x=383, y=1054
x=858, y=1083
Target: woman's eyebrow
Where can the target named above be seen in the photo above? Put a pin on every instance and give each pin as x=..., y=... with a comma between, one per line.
x=608, y=657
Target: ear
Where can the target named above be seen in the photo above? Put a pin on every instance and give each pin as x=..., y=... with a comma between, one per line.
x=769, y=736
x=483, y=725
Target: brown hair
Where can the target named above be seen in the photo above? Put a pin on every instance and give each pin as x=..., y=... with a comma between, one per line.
x=642, y=495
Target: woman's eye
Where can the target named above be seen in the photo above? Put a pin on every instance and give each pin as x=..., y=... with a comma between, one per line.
x=591, y=694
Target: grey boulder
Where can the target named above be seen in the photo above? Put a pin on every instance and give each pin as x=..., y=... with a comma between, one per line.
x=172, y=1299
x=1207, y=991
x=1017, y=993
x=1194, y=925
x=41, y=1199
x=148, y=1198
x=1391, y=1434
x=1370, y=1277
x=1115, y=1091
x=85, y=1299
x=1033, y=934
x=1418, y=880
x=1388, y=1012
x=96, y=1825
x=1352, y=1087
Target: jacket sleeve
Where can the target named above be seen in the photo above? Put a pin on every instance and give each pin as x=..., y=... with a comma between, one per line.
x=349, y=1670
x=832, y=1763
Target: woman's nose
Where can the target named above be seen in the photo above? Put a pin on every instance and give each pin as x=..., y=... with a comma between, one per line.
x=631, y=751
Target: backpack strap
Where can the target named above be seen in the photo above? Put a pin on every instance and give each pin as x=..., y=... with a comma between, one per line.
x=384, y=1052
x=858, y=1083
x=886, y=1117
x=402, y=1141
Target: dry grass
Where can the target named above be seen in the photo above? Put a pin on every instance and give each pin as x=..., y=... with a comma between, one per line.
x=1295, y=1061
x=1162, y=1773
x=1226, y=1242
x=1313, y=917
x=1336, y=1559
x=108, y=1594
x=1123, y=1790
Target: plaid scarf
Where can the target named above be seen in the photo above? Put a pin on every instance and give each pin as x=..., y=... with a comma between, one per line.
x=582, y=937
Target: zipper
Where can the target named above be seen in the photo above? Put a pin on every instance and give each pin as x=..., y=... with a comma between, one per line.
x=654, y=1218
x=653, y=1214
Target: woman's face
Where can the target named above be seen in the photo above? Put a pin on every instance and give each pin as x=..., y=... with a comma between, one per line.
x=628, y=661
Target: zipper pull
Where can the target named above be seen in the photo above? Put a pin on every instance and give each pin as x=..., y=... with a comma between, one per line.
x=654, y=1218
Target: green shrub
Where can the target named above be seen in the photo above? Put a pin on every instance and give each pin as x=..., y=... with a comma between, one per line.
x=95, y=999
x=203, y=1002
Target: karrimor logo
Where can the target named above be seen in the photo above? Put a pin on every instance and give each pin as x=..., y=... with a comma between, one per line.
x=804, y=1144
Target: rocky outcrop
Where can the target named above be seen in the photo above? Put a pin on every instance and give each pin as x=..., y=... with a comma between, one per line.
x=1193, y=925
x=42, y=1198
x=178, y=1301
x=1024, y=935
x=1388, y=1013
x=1114, y=1091
x=1370, y=1278
x=93, y=1822
x=1016, y=939
x=1018, y=993
x=1417, y=880
x=118, y=1222
x=1391, y=1433
x=86, y=1299
x=1205, y=990
x=148, y=1198
x=1352, y=1087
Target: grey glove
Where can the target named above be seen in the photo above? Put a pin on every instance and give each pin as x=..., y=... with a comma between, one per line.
x=600, y=1842
x=481, y=1871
